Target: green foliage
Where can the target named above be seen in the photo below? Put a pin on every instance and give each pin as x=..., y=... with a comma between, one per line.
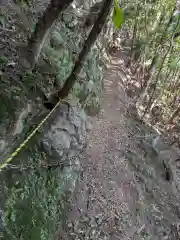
x=3, y=60
x=24, y=2
x=35, y=200
x=5, y=112
x=154, y=27
x=64, y=45
x=90, y=92
x=117, y=17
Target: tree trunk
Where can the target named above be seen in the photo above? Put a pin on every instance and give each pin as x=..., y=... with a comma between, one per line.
x=152, y=67
x=93, y=14
x=174, y=115
x=93, y=35
x=43, y=28
x=135, y=29
x=156, y=82
x=148, y=78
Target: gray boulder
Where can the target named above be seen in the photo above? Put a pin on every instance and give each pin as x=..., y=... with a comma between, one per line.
x=66, y=136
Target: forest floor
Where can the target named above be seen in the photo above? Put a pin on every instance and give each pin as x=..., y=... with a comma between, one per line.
x=121, y=193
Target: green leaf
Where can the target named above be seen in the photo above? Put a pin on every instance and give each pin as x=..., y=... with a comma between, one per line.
x=33, y=27
x=117, y=17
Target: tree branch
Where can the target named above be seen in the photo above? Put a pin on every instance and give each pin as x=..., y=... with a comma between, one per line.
x=43, y=27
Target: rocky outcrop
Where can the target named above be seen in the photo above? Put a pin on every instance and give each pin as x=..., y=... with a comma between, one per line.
x=67, y=134
x=65, y=140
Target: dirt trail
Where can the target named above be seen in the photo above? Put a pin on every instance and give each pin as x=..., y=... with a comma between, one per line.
x=107, y=199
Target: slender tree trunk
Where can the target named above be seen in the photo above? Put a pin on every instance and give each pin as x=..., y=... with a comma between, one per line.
x=155, y=59
x=151, y=70
x=174, y=115
x=148, y=79
x=168, y=74
x=156, y=82
x=145, y=20
x=93, y=14
x=43, y=28
x=173, y=83
x=173, y=102
x=96, y=30
x=156, y=53
x=175, y=73
x=135, y=29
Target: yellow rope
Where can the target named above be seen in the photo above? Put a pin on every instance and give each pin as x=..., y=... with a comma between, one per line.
x=23, y=144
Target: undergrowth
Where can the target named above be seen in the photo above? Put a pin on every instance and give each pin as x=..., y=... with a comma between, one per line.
x=36, y=198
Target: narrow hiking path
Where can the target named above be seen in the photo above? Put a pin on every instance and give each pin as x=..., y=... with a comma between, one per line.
x=109, y=202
